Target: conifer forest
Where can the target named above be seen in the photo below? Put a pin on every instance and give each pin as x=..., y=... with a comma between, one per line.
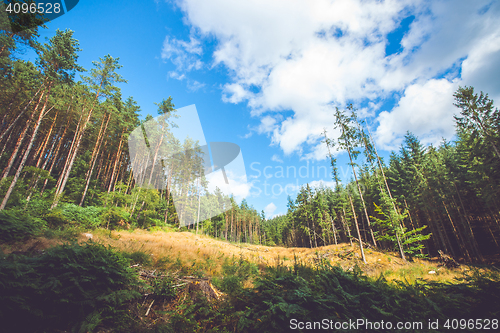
x=66, y=170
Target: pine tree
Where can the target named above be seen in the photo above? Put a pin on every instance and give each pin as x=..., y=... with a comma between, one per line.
x=57, y=61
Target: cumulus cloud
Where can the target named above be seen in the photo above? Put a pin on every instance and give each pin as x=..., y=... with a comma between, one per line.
x=270, y=209
x=426, y=110
x=309, y=57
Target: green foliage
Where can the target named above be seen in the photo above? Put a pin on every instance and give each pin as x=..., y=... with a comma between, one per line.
x=38, y=206
x=235, y=273
x=76, y=286
x=165, y=287
x=114, y=217
x=86, y=217
x=327, y=292
x=17, y=225
x=391, y=224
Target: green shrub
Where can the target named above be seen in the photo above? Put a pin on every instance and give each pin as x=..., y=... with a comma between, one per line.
x=87, y=217
x=18, y=225
x=235, y=272
x=68, y=213
x=56, y=219
x=113, y=217
x=70, y=286
x=39, y=206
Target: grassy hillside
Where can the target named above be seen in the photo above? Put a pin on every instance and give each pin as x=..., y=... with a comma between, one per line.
x=193, y=250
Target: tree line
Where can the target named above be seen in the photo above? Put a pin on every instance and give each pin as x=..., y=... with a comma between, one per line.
x=424, y=200
x=64, y=144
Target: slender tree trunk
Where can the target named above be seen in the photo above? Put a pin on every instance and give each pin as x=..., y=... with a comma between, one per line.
x=471, y=237
x=309, y=233
x=35, y=182
x=444, y=235
x=27, y=151
x=169, y=184
x=227, y=222
x=56, y=153
x=334, y=231
x=232, y=219
x=344, y=220
x=361, y=196
x=20, y=141
x=5, y=145
x=118, y=153
x=95, y=154
x=21, y=113
x=357, y=230
x=72, y=157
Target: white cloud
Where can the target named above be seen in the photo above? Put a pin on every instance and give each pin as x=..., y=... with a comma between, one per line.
x=481, y=69
x=184, y=55
x=276, y=158
x=426, y=110
x=270, y=209
x=194, y=85
x=267, y=124
x=237, y=184
x=309, y=57
x=322, y=183
x=234, y=93
x=177, y=76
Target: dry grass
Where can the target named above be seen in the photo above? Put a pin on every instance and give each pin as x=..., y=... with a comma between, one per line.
x=180, y=250
x=189, y=249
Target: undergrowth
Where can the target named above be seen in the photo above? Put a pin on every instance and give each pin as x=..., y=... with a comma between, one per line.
x=70, y=286
x=93, y=288
x=312, y=294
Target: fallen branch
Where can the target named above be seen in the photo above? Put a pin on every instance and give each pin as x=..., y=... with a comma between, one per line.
x=150, y=305
x=192, y=284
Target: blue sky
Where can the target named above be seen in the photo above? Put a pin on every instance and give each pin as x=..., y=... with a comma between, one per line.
x=267, y=74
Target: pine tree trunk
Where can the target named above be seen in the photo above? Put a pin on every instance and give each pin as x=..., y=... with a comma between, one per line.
x=27, y=151
x=20, y=114
x=362, y=199
x=117, y=159
x=20, y=141
x=357, y=230
x=227, y=222
x=71, y=158
x=35, y=182
x=334, y=231
x=93, y=159
x=400, y=247
x=344, y=220
x=232, y=219
x=56, y=153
